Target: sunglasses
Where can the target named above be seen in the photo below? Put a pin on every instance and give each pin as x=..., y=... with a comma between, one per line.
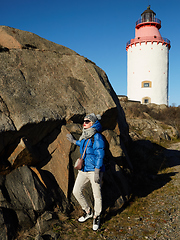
x=86, y=121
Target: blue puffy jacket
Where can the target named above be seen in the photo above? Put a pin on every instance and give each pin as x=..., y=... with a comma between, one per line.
x=95, y=150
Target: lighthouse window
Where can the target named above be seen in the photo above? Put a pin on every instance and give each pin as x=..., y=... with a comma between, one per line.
x=146, y=100
x=146, y=84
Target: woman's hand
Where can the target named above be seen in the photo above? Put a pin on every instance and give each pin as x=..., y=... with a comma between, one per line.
x=70, y=138
x=96, y=175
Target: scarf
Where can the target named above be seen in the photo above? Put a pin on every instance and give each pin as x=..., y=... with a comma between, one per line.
x=87, y=133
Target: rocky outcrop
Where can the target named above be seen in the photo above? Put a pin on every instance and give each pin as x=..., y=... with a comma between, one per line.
x=46, y=90
x=143, y=126
x=151, y=129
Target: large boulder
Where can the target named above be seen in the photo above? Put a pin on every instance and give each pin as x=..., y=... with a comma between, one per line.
x=46, y=90
x=44, y=84
x=41, y=81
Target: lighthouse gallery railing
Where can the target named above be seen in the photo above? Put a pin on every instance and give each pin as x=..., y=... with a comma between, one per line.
x=142, y=20
x=148, y=39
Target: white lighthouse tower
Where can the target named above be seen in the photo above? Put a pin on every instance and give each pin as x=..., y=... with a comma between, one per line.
x=148, y=62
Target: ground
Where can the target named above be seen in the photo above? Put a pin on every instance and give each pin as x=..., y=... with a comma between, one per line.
x=153, y=216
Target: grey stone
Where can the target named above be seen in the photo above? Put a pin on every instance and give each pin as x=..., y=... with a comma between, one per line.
x=44, y=222
x=25, y=190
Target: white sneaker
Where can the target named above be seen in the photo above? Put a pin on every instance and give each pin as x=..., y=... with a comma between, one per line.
x=86, y=216
x=96, y=223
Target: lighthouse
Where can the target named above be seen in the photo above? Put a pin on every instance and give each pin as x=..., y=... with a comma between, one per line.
x=148, y=62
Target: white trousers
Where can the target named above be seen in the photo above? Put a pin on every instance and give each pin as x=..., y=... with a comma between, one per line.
x=81, y=180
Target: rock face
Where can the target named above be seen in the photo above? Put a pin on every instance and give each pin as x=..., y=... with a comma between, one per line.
x=46, y=90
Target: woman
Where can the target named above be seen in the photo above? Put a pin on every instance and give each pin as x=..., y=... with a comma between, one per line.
x=92, y=169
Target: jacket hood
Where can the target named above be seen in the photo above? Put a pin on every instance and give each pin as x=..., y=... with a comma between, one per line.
x=97, y=126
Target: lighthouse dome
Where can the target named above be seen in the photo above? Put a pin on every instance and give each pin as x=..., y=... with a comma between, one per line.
x=148, y=15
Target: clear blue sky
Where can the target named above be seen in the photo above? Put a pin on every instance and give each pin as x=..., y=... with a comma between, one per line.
x=98, y=30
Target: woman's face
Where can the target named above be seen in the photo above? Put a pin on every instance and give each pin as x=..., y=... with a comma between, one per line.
x=87, y=123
